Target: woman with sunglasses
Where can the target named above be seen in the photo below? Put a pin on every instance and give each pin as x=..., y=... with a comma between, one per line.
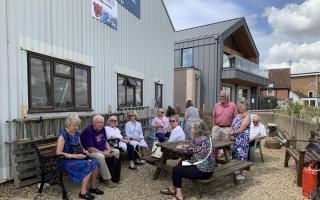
x=113, y=132
x=161, y=125
x=177, y=133
x=133, y=130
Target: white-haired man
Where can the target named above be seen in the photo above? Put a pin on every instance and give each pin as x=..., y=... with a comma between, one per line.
x=94, y=139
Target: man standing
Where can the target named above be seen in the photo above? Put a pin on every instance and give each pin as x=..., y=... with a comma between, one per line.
x=94, y=139
x=223, y=113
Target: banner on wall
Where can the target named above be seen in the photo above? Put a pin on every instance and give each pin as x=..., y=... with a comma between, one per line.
x=132, y=5
x=105, y=11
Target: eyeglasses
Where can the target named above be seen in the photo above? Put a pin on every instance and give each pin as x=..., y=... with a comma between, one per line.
x=113, y=120
x=255, y=122
x=172, y=121
x=162, y=112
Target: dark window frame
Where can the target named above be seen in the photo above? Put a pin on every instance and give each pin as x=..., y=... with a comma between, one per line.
x=160, y=105
x=53, y=74
x=125, y=93
x=182, y=64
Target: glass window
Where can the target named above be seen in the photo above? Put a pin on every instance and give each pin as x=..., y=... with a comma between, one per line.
x=81, y=87
x=226, y=62
x=129, y=91
x=40, y=82
x=243, y=94
x=57, y=89
x=158, y=95
x=229, y=90
x=187, y=57
x=310, y=93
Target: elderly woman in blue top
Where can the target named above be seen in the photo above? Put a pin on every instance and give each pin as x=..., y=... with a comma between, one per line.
x=201, y=150
x=77, y=166
x=133, y=131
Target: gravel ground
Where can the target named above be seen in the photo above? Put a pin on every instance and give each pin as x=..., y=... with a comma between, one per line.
x=268, y=180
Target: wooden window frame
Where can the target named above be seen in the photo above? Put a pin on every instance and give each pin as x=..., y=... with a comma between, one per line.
x=53, y=74
x=160, y=105
x=125, y=93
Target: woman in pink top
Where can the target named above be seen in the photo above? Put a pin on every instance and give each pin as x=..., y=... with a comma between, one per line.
x=161, y=125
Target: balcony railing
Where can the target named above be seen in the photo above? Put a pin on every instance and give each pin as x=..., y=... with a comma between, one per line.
x=233, y=61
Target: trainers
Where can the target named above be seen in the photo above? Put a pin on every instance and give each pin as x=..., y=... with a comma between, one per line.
x=142, y=162
x=87, y=195
x=108, y=183
x=240, y=177
x=96, y=191
x=138, y=162
x=237, y=172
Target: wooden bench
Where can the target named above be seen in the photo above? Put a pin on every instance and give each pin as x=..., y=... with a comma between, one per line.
x=50, y=173
x=302, y=158
x=221, y=171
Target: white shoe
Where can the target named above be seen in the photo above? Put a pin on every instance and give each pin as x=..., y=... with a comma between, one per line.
x=237, y=172
x=240, y=177
x=142, y=161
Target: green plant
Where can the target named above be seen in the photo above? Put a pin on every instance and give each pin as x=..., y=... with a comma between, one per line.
x=294, y=108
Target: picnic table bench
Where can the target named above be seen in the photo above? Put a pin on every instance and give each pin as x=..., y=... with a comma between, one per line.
x=50, y=173
x=221, y=171
x=229, y=167
x=302, y=158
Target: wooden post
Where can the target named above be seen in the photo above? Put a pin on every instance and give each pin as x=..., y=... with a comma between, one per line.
x=300, y=168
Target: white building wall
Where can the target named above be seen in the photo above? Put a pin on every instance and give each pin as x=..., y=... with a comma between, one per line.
x=142, y=48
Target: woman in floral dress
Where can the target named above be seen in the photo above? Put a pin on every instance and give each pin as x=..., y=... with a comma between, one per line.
x=240, y=133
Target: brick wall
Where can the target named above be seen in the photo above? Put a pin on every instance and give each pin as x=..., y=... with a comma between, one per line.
x=305, y=84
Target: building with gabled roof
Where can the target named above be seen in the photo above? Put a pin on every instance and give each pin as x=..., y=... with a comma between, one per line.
x=227, y=58
x=279, y=86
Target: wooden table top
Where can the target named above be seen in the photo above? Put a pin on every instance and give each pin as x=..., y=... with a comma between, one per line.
x=172, y=145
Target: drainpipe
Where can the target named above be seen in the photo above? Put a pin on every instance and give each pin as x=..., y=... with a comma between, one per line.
x=219, y=70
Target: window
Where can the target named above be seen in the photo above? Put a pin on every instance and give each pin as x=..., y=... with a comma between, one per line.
x=158, y=95
x=129, y=91
x=243, y=94
x=187, y=57
x=310, y=94
x=229, y=90
x=57, y=85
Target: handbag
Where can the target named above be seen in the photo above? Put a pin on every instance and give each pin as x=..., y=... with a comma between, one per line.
x=75, y=148
x=114, y=142
x=156, y=150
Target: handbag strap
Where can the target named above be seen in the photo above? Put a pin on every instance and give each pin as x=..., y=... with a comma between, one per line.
x=201, y=161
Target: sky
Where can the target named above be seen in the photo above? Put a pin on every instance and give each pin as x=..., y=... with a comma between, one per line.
x=286, y=32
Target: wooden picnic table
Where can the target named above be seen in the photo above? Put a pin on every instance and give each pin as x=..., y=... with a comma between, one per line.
x=170, y=151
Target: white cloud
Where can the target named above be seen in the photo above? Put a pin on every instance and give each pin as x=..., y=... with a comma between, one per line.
x=294, y=21
x=304, y=57
x=190, y=13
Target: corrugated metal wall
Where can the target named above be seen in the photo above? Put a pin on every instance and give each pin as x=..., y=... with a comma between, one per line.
x=65, y=29
x=207, y=56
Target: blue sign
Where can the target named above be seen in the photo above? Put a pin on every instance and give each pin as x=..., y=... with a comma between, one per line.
x=132, y=5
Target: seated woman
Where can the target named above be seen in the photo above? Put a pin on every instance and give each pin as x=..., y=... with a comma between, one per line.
x=77, y=166
x=124, y=144
x=177, y=133
x=240, y=129
x=202, y=155
x=133, y=130
x=161, y=125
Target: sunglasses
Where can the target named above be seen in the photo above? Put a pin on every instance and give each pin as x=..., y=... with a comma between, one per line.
x=113, y=120
x=162, y=112
x=172, y=121
x=131, y=115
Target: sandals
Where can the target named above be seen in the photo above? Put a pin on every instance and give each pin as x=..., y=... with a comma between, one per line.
x=175, y=197
x=167, y=191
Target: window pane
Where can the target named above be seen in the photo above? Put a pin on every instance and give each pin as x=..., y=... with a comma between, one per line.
x=121, y=92
x=40, y=82
x=187, y=57
x=81, y=87
x=159, y=95
x=130, y=97
x=62, y=69
x=62, y=93
x=138, y=93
